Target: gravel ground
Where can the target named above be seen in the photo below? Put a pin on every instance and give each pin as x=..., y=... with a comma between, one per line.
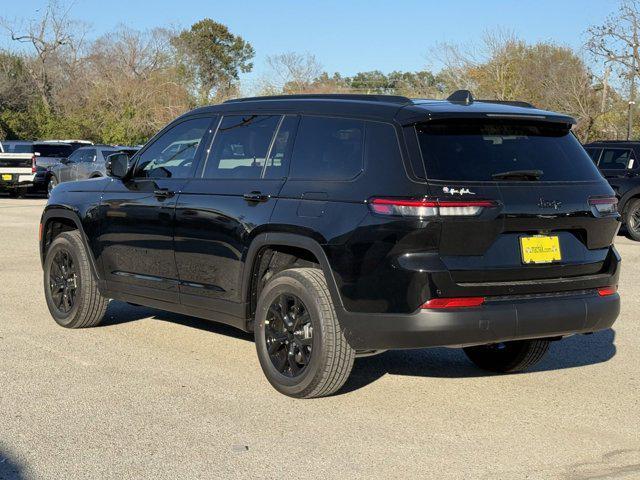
x=158, y=395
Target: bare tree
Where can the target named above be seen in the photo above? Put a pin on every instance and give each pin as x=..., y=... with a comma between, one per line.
x=51, y=36
x=617, y=41
x=292, y=72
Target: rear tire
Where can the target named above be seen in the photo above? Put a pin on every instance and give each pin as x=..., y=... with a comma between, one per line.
x=632, y=219
x=301, y=347
x=69, y=286
x=508, y=357
x=51, y=184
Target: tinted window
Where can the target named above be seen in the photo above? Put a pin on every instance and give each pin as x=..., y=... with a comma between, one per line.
x=278, y=161
x=594, y=153
x=328, y=149
x=12, y=147
x=88, y=155
x=76, y=156
x=172, y=155
x=615, y=159
x=53, y=150
x=478, y=150
x=241, y=146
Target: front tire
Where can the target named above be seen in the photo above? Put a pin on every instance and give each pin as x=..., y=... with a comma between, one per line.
x=301, y=347
x=70, y=289
x=632, y=219
x=508, y=357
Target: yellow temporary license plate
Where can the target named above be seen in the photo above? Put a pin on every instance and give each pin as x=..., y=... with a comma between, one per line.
x=6, y=176
x=540, y=249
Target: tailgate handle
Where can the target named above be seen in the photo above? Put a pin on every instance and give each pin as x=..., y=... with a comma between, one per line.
x=255, y=197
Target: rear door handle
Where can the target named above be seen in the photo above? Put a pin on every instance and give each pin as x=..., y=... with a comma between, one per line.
x=255, y=197
x=163, y=193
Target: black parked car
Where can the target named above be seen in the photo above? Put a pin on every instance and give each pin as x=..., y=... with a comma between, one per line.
x=619, y=162
x=341, y=225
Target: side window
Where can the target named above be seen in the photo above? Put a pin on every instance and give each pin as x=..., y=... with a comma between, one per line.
x=615, y=159
x=172, y=155
x=76, y=157
x=241, y=146
x=594, y=153
x=278, y=162
x=88, y=155
x=328, y=149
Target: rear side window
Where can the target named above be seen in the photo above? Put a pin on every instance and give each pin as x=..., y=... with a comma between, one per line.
x=241, y=146
x=328, y=149
x=616, y=159
x=464, y=150
x=594, y=153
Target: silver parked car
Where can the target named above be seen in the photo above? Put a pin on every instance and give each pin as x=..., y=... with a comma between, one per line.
x=85, y=162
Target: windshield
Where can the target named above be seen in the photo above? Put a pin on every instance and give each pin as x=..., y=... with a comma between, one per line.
x=53, y=150
x=481, y=150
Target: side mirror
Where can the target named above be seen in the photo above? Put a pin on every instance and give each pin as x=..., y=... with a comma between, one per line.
x=117, y=165
x=64, y=161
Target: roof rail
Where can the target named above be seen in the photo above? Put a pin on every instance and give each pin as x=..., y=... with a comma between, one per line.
x=327, y=96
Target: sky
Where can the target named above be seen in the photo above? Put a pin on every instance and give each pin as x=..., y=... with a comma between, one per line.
x=345, y=36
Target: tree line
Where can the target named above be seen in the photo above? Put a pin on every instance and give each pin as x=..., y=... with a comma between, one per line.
x=120, y=88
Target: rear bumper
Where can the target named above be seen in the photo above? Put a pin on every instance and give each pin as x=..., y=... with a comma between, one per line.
x=498, y=320
x=17, y=180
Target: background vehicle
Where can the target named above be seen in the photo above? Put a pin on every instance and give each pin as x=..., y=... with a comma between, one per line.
x=85, y=162
x=17, y=170
x=336, y=225
x=619, y=162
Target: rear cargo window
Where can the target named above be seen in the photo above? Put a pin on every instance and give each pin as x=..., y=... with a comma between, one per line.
x=52, y=150
x=465, y=150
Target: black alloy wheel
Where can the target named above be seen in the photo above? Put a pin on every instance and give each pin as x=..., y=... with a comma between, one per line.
x=289, y=335
x=63, y=281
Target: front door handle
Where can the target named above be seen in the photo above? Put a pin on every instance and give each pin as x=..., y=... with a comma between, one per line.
x=255, y=197
x=163, y=193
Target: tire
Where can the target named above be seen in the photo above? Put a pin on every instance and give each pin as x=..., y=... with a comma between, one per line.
x=329, y=358
x=53, y=181
x=632, y=219
x=83, y=305
x=508, y=357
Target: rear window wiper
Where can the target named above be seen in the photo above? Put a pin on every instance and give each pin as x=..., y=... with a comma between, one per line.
x=518, y=174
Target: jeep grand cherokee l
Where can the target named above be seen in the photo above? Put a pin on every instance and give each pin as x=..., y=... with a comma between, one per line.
x=341, y=225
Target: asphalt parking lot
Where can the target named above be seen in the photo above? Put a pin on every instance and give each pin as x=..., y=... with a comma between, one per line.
x=157, y=395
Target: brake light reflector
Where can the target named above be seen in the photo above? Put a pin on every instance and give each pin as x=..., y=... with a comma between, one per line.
x=604, y=205
x=460, y=302
x=606, y=291
x=429, y=208
x=33, y=164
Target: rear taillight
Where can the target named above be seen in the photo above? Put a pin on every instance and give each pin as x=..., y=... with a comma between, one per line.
x=429, y=207
x=604, y=205
x=33, y=164
x=606, y=291
x=458, y=302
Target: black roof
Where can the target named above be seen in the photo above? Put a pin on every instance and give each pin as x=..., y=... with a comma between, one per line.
x=403, y=110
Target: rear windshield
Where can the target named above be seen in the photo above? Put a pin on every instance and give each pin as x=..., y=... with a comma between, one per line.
x=465, y=150
x=11, y=147
x=51, y=150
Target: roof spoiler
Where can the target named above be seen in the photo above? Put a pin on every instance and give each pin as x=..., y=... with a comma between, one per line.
x=465, y=97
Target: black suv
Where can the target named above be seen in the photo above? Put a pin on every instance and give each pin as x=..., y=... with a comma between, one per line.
x=334, y=226
x=619, y=162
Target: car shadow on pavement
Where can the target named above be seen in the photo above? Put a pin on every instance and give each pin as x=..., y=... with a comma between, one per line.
x=575, y=351
x=121, y=312
x=9, y=469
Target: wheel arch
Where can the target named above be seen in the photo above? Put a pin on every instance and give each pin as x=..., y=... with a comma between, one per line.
x=277, y=240
x=58, y=219
x=626, y=198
